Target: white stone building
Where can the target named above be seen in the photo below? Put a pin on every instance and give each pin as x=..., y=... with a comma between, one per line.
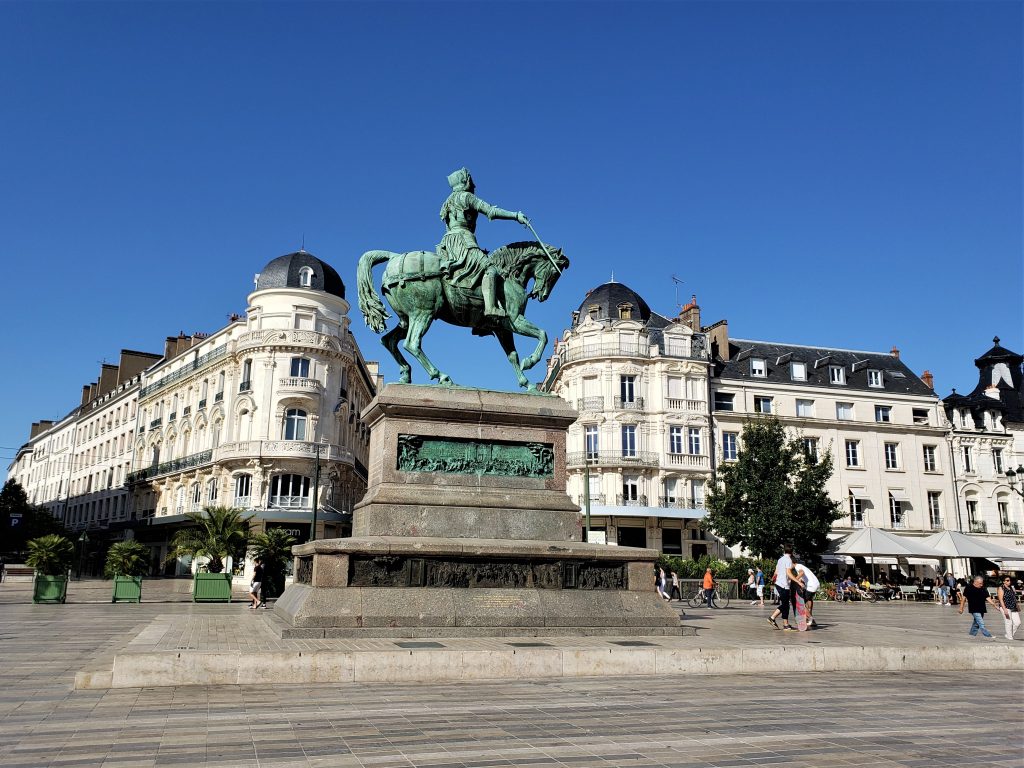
x=262, y=415
x=641, y=447
x=986, y=439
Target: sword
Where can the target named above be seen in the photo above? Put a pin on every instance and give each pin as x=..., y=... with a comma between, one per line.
x=552, y=258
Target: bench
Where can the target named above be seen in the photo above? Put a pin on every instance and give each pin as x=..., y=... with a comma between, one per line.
x=18, y=573
x=908, y=593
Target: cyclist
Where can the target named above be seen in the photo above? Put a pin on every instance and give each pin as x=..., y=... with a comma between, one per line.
x=709, y=588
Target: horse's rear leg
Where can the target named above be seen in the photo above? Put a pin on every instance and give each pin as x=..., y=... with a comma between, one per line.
x=419, y=323
x=390, y=341
x=508, y=344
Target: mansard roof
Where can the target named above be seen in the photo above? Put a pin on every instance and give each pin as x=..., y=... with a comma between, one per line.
x=609, y=297
x=897, y=378
x=999, y=368
x=284, y=271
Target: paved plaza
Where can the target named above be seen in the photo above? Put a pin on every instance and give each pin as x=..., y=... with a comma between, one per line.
x=936, y=718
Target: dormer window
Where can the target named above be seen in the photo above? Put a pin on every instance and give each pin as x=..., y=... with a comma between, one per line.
x=758, y=367
x=837, y=374
x=874, y=378
x=798, y=371
x=593, y=311
x=306, y=277
x=625, y=311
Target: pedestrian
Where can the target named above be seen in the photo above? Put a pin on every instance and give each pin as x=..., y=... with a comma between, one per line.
x=810, y=585
x=709, y=588
x=759, y=587
x=257, y=584
x=1008, y=606
x=946, y=583
x=974, y=599
x=675, y=593
x=660, y=584
x=781, y=582
x=750, y=585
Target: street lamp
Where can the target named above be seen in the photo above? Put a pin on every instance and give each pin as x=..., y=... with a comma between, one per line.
x=1011, y=478
x=83, y=540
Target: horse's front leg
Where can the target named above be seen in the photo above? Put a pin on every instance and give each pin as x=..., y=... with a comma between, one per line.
x=508, y=343
x=419, y=323
x=524, y=327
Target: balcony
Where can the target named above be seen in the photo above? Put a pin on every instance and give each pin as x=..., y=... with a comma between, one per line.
x=202, y=404
x=286, y=337
x=1008, y=527
x=249, y=449
x=595, y=498
x=978, y=526
x=673, y=502
x=691, y=406
x=639, y=501
x=688, y=460
x=170, y=467
x=218, y=397
x=857, y=522
x=898, y=524
x=186, y=411
x=612, y=459
x=634, y=404
x=245, y=386
x=299, y=384
x=935, y=523
x=243, y=502
x=592, y=404
x=185, y=372
x=697, y=351
x=155, y=423
x=172, y=416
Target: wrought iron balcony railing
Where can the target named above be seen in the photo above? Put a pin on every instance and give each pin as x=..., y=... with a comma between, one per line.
x=218, y=397
x=590, y=404
x=595, y=498
x=155, y=423
x=635, y=404
x=184, y=372
x=245, y=386
x=612, y=458
x=673, y=502
x=202, y=404
x=857, y=522
x=622, y=501
x=1009, y=527
x=169, y=467
x=898, y=523
x=935, y=523
x=978, y=526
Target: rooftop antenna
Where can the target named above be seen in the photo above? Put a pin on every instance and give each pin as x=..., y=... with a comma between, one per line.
x=612, y=280
x=302, y=248
x=678, y=282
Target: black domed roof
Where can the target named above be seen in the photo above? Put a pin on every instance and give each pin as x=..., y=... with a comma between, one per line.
x=609, y=298
x=285, y=272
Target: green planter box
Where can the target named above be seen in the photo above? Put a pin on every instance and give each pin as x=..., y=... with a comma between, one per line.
x=127, y=589
x=211, y=588
x=50, y=589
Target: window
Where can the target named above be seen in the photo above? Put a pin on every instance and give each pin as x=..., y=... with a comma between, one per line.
x=625, y=311
x=883, y=413
x=629, y=441
x=306, y=277
x=220, y=385
x=304, y=321
x=874, y=378
x=896, y=512
x=758, y=367
x=725, y=401
x=837, y=374
x=1004, y=513
x=972, y=510
x=211, y=490
x=811, y=448
x=675, y=439
x=844, y=411
x=729, y=446
x=928, y=454
x=762, y=404
x=920, y=415
x=630, y=488
x=856, y=512
x=672, y=541
x=697, y=493
x=892, y=451
x=246, y=383
x=935, y=509
x=968, y=454
x=590, y=441
x=243, y=490
x=997, y=460
x=300, y=368
x=853, y=453
x=289, y=491
x=798, y=371
x=627, y=388
x=197, y=496
x=295, y=424
x=805, y=408
x=694, y=440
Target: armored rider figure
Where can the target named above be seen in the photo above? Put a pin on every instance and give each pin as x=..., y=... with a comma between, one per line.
x=460, y=254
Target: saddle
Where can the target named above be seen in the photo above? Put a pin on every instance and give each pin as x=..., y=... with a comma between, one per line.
x=414, y=265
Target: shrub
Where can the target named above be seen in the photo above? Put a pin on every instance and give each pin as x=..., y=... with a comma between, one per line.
x=127, y=558
x=50, y=555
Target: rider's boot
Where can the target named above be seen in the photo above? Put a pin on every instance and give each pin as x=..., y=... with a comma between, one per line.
x=491, y=307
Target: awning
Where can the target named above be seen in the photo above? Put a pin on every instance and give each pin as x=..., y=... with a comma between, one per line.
x=673, y=513
x=837, y=559
x=922, y=561
x=899, y=494
x=859, y=492
x=1011, y=565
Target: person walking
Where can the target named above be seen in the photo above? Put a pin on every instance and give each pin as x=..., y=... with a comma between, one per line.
x=810, y=584
x=974, y=599
x=759, y=587
x=709, y=588
x=676, y=593
x=782, y=567
x=1008, y=606
x=660, y=584
x=257, y=584
x=749, y=586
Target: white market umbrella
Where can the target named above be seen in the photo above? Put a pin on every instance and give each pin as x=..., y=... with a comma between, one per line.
x=955, y=544
x=869, y=542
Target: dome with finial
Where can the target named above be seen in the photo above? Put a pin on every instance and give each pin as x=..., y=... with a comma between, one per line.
x=300, y=270
x=614, y=301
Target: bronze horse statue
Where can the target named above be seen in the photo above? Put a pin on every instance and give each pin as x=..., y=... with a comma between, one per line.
x=417, y=287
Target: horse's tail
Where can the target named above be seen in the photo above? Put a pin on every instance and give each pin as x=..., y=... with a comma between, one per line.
x=370, y=304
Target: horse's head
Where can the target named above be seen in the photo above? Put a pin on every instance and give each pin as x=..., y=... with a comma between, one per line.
x=546, y=274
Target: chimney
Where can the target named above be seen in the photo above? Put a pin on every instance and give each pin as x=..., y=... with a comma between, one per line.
x=928, y=379
x=895, y=352
x=85, y=394
x=690, y=315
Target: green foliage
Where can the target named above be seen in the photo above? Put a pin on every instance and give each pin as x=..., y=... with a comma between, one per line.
x=216, y=533
x=274, y=548
x=723, y=569
x=127, y=558
x=33, y=523
x=50, y=555
x=773, y=494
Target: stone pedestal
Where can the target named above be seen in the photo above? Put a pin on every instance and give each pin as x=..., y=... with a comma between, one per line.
x=466, y=529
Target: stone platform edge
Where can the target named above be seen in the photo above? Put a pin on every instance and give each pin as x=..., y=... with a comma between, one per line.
x=174, y=668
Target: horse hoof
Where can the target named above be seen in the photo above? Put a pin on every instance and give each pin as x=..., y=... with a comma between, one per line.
x=444, y=381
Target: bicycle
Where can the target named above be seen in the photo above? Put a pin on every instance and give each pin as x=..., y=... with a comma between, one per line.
x=720, y=598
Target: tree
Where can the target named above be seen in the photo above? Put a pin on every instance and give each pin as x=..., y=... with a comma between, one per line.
x=773, y=494
x=126, y=558
x=274, y=549
x=216, y=533
x=50, y=555
x=20, y=521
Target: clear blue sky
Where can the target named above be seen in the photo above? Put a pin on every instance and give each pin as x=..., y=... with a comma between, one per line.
x=837, y=174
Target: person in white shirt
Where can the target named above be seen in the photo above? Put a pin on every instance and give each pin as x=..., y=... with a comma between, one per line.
x=782, y=569
x=809, y=584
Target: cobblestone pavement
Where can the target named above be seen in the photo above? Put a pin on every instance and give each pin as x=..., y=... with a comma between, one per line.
x=815, y=720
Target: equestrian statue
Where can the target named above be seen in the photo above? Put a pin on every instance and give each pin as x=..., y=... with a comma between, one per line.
x=461, y=284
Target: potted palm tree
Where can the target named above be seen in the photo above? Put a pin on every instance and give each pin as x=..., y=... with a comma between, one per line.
x=50, y=557
x=274, y=549
x=127, y=562
x=215, y=534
